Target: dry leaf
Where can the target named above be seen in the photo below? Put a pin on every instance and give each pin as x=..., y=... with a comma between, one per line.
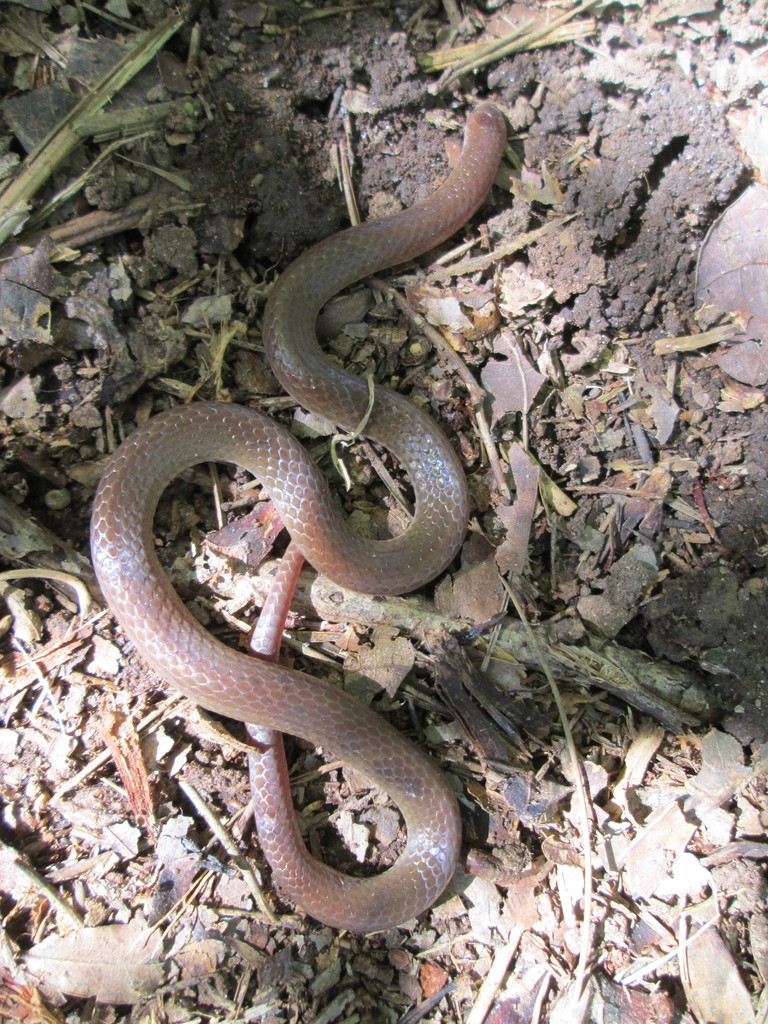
x=636, y=760
x=19, y=401
x=511, y=382
x=732, y=274
x=519, y=289
x=676, y=10
x=736, y=397
x=355, y=834
x=521, y=901
x=24, y=1004
x=516, y=17
x=475, y=592
x=750, y=126
x=201, y=957
x=518, y=517
x=713, y=984
x=388, y=659
x=722, y=771
x=468, y=311
x=445, y=311
x=27, y=284
x=629, y=1006
x=535, y=801
x=747, y=361
x=484, y=911
x=114, y=963
x=105, y=659
x=664, y=411
x=644, y=510
x=647, y=861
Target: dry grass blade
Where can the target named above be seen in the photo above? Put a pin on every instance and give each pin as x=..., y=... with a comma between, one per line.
x=72, y=129
x=216, y=827
x=528, y=36
x=14, y=861
x=507, y=248
x=495, y=978
x=585, y=946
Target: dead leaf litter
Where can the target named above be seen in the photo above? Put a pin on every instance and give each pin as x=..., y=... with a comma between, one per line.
x=158, y=168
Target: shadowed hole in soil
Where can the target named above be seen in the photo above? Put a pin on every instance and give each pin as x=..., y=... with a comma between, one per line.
x=651, y=180
x=314, y=108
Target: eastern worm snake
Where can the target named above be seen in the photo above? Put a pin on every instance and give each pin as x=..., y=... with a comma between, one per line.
x=222, y=680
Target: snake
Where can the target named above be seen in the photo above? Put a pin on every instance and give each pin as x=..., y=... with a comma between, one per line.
x=262, y=693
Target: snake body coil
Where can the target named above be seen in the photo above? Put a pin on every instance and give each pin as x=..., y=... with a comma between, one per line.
x=222, y=680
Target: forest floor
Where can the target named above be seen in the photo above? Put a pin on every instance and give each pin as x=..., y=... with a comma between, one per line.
x=593, y=345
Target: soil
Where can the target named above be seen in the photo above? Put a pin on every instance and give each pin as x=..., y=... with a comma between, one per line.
x=650, y=543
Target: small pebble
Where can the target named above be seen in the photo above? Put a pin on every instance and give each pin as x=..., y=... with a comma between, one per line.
x=58, y=498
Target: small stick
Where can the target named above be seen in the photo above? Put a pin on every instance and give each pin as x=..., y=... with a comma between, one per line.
x=229, y=845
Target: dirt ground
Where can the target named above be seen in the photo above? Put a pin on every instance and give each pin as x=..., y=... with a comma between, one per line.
x=609, y=409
